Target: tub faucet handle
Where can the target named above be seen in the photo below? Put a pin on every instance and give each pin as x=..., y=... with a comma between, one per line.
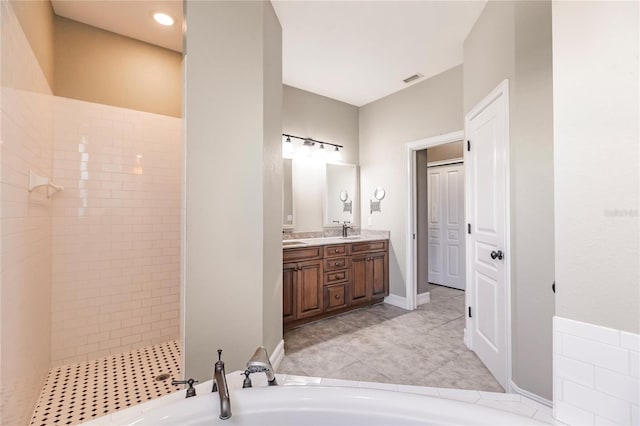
x=246, y=383
x=191, y=391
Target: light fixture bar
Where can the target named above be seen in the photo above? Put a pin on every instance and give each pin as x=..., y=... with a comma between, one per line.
x=312, y=140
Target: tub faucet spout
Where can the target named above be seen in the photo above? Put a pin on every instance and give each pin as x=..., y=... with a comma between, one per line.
x=220, y=386
x=260, y=363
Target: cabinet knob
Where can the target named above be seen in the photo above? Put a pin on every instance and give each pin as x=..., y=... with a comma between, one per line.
x=337, y=296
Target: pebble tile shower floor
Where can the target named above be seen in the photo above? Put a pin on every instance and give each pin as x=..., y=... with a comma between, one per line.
x=76, y=393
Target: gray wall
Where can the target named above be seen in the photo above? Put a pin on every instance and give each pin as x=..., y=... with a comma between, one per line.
x=512, y=40
x=231, y=254
x=272, y=180
x=306, y=114
x=422, y=222
x=595, y=77
x=99, y=66
x=423, y=110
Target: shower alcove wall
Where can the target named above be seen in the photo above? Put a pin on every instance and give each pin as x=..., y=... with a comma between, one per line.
x=115, y=230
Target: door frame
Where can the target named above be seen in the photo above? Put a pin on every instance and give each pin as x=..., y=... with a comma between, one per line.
x=502, y=90
x=412, y=243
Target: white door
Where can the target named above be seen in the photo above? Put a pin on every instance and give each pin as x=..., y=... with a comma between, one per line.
x=434, y=227
x=445, y=233
x=488, y=327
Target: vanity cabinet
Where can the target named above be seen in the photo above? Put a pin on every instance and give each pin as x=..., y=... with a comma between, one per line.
x=370, y=271
x=302, y=289
x=321, y=281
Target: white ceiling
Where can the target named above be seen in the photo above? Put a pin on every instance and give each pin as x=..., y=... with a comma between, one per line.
x=353, y=51
x=360, y=51
x=132, y=18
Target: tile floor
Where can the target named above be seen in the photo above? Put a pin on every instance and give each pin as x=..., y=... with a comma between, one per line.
x=76, y=393
x=383, y=343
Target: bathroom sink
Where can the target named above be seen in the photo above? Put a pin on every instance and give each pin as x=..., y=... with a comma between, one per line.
x=353, y=237
x=293, y=243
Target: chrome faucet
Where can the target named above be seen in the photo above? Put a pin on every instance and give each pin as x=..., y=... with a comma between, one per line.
x=220, y=386
x=345, y=228
x=260, y=363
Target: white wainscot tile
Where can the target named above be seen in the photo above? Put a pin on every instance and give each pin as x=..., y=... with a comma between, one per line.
x=599, y=403
x=635, y=415
x=571, y=415
x=557, y=389
x=596, y=353
x=574, y=370
x=630, y=341
x=619, y=385
x=634, y=364
x=588, y=331
x=601, y=421
x=557, y=342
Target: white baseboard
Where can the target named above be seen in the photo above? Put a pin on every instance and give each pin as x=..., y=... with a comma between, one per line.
x=277, y=355
x=525, y=393
x=423, y=298
x=395, y=300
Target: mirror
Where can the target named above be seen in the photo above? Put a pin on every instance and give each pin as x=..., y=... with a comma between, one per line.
x=287, y=193
x=340, y=194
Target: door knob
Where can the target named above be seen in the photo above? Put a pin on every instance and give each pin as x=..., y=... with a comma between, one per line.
x=497, y=255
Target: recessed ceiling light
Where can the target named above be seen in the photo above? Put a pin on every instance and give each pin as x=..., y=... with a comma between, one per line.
x=163, y=19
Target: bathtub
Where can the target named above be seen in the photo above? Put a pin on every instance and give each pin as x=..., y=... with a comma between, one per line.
x=314, y=405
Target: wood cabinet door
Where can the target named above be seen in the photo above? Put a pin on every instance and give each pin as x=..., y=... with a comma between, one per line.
x=289, y=279
x=378, y=270
x=359, y=282
x=309, y=289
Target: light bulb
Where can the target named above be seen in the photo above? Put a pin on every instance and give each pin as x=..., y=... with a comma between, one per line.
x=163, y=19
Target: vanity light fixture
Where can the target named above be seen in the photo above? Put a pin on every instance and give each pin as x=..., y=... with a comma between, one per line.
x=309, y=143
x=287, y=148
x=163, y=19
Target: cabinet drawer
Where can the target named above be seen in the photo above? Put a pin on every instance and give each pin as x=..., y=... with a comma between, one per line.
x=369, y=246
x=306, y=253
x=337, y=263
x=337, y=250
x=336, y=277
x=335, y=297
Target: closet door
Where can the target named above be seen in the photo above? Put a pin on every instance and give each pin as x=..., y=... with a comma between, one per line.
x=434, y=229
x=446, y=225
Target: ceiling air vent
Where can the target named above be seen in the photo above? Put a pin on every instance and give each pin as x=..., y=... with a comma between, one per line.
x=413, y=78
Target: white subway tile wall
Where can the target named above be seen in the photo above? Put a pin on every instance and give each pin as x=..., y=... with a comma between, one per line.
x=26, y=134
x=116, y=230
x=595, y=374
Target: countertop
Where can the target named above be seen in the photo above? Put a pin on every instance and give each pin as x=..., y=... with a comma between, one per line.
x=309, y=242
